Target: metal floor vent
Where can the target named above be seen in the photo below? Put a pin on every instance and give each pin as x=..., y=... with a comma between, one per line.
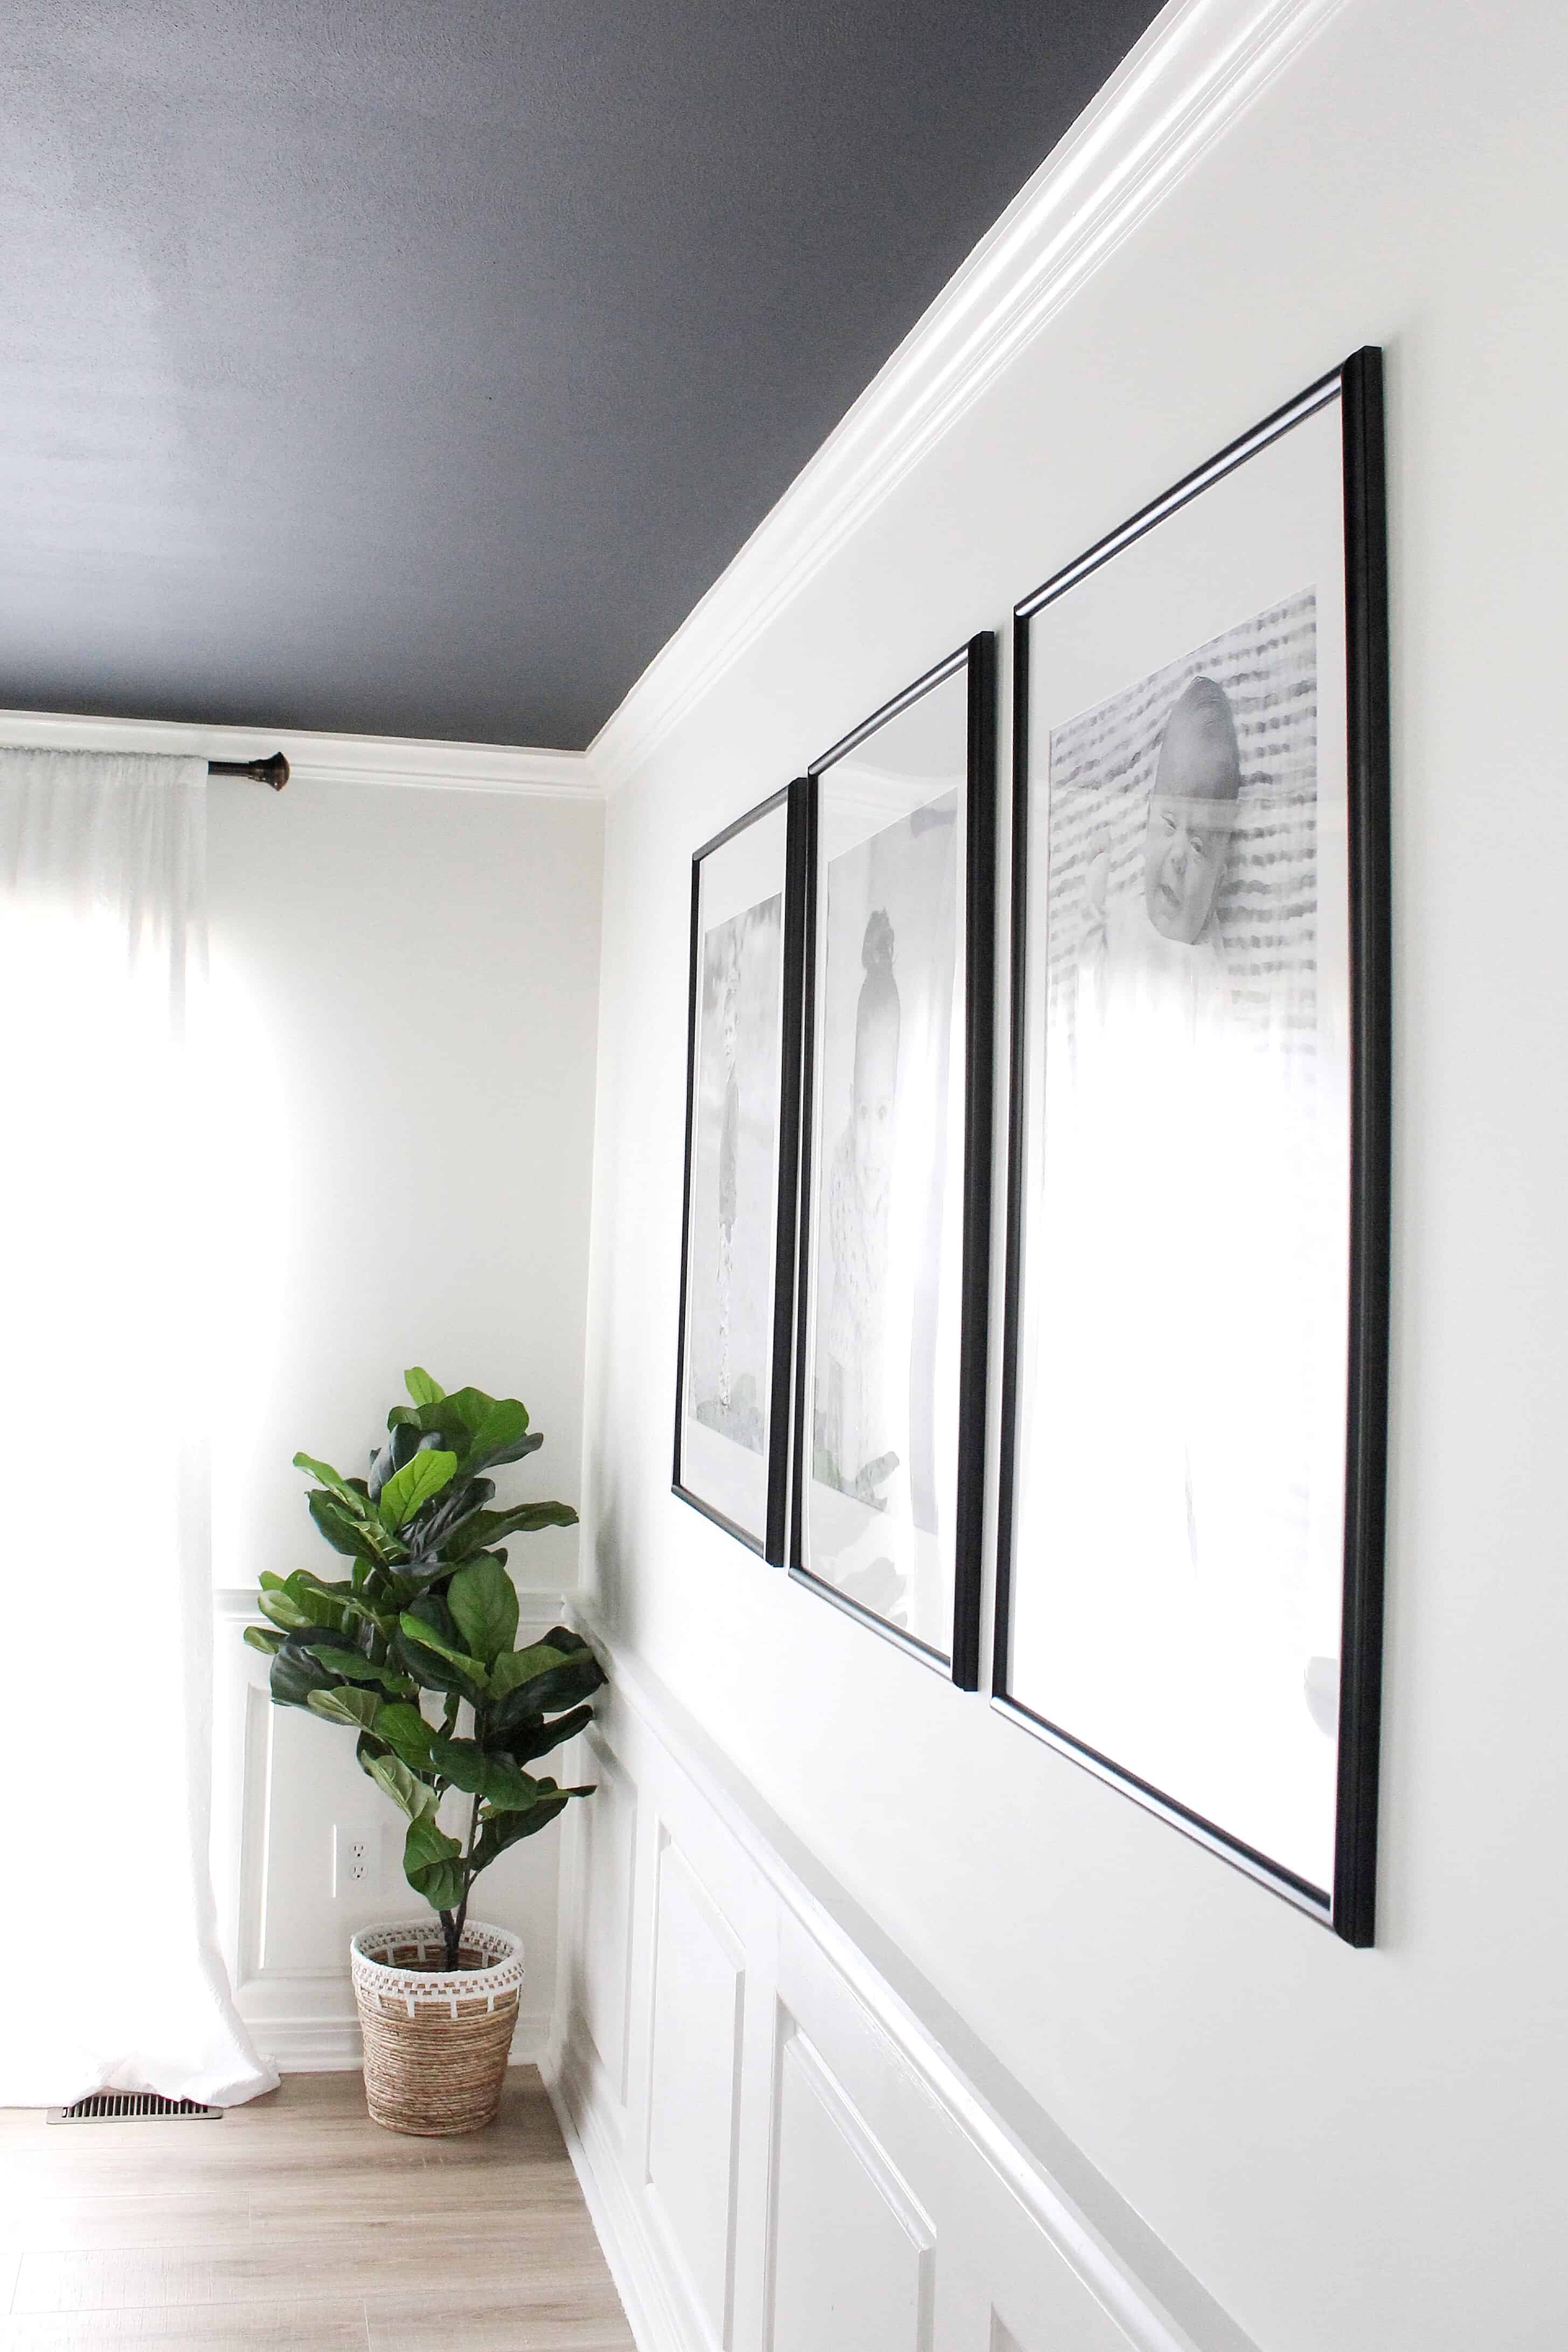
x=134, y=2106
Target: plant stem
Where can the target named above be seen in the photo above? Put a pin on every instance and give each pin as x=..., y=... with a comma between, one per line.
x=455, y=1942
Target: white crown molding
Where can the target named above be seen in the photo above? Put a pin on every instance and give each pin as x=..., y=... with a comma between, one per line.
x=1199, y=65
x=320, y=758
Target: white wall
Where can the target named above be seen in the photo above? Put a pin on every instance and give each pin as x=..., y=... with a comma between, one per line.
x=1361, y=2151
x=405, y=988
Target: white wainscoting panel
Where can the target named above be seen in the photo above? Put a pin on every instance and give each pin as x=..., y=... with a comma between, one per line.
x=606, y=1896
x=778, y=2154
x=851, y=2256
x=282, y=1781
x=698, y=2010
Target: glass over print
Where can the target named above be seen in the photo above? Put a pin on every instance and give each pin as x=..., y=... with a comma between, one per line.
x=1176, y=1455
x=726, y=1431
x=885, y=1227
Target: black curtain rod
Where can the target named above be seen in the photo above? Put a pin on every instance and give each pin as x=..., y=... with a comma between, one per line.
x=273, y=772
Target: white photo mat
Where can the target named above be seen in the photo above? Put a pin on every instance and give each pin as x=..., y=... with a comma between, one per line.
x=1180, y=1439
x=884, y=1261
x=725, y=1373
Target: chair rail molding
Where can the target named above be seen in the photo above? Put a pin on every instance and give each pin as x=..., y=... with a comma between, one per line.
x=1195, y=70
x=817, y=2166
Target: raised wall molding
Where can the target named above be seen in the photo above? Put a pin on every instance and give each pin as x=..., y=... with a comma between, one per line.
x=1200, y=64
x=321, y=759
x=840, y=2161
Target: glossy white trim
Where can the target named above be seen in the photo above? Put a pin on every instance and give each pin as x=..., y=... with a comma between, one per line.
x=320, y=758
x=618, y=2219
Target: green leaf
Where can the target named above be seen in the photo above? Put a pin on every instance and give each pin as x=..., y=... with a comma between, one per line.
x=494, y=1778
x=517, y=1666
x=498, y=1420
x=284, y=1612
x=392, y=1774
x=334, y=1482
x=384, y=1621
x=428, y=1419
x=499, y=1433
x=498, y=1427
x=410, y=1487
x=261, y=1638
x=323, y=1604
x=534, y=1739
x=420, y=1387
x=502, y=1830
x=427, y=1535
x=410, y=1432
x=345, y=1706
x=488, y=1528
x=416, y=1628
x=295, y=1673
x=406, y=1732
x=432, y=1863
x=356, y=1537
x=484, y=1605
x=469, y=1405
x=430, y=1669
x=350, y=1666
x=576, y=1678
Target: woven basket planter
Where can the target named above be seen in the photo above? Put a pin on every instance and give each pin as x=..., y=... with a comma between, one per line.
x=435, y=2038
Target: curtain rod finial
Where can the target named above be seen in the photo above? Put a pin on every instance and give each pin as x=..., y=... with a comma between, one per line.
x=273, y=772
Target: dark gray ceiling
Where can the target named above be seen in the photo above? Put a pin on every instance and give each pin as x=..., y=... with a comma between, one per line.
x=412, y=366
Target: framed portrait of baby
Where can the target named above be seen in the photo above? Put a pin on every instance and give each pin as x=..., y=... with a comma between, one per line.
x=1190, y=1525
x=743, y=1098
x=896, y=1179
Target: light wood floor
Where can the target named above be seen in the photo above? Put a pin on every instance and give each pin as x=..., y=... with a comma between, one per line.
x=297, y=2225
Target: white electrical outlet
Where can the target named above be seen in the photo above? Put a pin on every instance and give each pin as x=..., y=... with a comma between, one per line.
x=353, y=1855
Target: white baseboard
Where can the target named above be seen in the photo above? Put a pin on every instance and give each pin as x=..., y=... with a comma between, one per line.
x=628, y=2250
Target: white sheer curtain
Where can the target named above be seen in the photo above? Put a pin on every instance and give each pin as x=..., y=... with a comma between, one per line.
x=110, y=1971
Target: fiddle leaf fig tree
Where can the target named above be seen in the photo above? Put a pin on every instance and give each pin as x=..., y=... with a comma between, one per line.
x=428, y=1612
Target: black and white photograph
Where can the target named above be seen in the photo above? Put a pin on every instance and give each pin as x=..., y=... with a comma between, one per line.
x=887, y=1388
x=743, y=1092
x=1189, y=1248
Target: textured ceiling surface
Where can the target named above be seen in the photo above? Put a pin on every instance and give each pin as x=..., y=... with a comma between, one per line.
x=413, y=367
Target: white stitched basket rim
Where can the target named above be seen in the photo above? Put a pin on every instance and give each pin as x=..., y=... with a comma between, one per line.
x=437, y=1988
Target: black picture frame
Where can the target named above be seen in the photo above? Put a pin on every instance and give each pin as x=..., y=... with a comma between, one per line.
x=977, y=661
x=1347, y=1903
x=770, y=1544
